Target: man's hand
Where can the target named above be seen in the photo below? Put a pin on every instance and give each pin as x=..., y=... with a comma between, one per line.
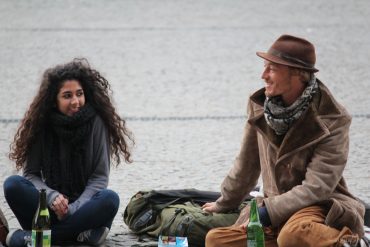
x=244, y=225
x=60, y=206
x=243, y=219
x=209, y=207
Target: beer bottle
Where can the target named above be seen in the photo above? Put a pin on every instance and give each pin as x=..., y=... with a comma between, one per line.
x=41, y=231
x=255, y=234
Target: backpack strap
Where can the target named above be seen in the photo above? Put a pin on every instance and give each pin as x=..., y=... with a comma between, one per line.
x=149, y=215
x=172, y=219
x=159, y=207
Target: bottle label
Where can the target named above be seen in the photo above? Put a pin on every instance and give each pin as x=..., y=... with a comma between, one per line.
x=44, y=212
x=251, y=243
x=41, y=238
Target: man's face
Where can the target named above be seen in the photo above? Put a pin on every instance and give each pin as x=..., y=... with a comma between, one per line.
x=278, y=79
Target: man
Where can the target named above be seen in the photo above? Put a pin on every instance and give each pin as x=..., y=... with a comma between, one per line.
x=297, y=138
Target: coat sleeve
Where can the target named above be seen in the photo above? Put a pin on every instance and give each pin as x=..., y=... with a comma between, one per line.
x=243, y=176
x=100, y=177
x=323, y=173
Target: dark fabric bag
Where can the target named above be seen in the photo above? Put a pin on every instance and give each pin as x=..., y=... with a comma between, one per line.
x=367, y=213
x=176, y=213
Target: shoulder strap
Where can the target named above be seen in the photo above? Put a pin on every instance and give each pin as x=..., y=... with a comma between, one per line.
x=171, y=220
x=159, y=207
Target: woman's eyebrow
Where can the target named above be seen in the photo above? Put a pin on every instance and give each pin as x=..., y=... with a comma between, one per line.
x=67, y=91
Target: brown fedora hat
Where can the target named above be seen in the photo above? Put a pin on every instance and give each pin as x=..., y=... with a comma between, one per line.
x=291, y=51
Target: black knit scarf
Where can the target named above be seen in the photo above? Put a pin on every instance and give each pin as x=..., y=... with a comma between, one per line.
x=66, y=171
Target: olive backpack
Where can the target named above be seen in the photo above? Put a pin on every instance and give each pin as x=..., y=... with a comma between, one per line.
x=176, y=213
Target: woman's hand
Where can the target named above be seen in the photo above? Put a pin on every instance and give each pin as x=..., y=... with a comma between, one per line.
x=60, y=206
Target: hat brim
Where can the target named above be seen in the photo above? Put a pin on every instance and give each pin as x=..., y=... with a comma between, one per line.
x=278, y=60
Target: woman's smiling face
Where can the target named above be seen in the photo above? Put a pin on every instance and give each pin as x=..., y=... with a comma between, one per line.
x=70, y=97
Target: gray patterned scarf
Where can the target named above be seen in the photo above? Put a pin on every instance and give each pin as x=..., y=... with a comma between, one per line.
x=279, y=117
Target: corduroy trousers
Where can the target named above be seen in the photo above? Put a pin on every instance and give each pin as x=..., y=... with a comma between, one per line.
x=305, y=228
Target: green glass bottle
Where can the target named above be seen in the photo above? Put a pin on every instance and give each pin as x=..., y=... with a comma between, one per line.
x=255, y=234
x=41, y=231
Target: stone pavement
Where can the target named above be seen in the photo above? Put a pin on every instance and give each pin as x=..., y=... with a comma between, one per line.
x=181, y=72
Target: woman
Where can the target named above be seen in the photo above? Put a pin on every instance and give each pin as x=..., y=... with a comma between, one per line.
x=64, y=145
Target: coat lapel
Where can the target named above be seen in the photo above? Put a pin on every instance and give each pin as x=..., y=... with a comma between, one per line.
x=257, y=119
x=306, y=131
x=262, y=127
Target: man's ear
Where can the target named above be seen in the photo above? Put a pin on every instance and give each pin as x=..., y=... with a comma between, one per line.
x=303, y=75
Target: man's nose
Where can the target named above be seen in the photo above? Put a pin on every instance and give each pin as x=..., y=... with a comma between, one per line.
x=264, y=74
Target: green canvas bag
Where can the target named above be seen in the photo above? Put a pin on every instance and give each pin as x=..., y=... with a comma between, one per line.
x=189, y=220
x=176, y=213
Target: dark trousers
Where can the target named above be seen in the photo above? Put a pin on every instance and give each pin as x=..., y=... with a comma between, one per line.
x=23, y=198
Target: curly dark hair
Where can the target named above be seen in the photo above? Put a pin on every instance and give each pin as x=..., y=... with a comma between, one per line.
x=97, y=93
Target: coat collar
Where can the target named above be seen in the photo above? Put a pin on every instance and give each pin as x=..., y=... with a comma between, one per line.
x=306, y=131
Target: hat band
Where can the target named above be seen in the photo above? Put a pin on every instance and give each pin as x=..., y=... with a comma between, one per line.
x=289, y=58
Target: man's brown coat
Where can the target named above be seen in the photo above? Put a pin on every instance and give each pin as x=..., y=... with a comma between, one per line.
x=304, y=168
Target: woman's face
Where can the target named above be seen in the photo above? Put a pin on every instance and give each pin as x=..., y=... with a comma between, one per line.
x=70, y=97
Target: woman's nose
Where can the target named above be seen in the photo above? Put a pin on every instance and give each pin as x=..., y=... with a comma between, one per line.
x=74, y=100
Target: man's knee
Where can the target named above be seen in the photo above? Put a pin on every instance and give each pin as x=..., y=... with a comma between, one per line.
x=226, y=237
x=211, y=237
x=294, y=234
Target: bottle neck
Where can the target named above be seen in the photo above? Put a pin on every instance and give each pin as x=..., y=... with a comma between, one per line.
x=42, y=200
x=254, y=217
